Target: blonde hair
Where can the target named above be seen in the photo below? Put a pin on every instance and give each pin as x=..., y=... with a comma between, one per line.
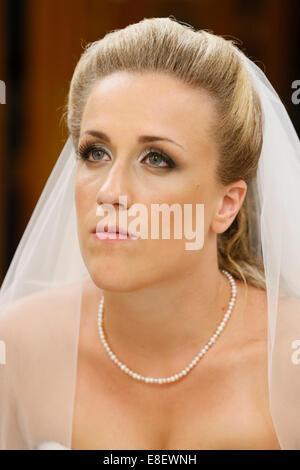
x=202, y=60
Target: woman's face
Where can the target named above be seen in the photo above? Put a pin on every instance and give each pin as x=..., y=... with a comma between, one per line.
x=125, y=106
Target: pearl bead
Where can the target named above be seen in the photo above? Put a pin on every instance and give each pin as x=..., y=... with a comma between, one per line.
x=184, y=372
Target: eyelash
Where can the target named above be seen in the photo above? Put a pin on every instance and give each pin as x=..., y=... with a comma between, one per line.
x=85, y=149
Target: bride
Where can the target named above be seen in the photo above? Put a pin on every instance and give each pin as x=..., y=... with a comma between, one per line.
x=128, y=341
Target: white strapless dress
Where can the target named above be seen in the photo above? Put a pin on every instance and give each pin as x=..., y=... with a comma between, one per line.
x=51, y=445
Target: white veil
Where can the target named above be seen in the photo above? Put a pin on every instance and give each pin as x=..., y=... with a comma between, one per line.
x=277, y=198
x=43, y=292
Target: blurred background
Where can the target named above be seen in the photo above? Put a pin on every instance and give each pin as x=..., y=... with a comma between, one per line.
x=40, y=44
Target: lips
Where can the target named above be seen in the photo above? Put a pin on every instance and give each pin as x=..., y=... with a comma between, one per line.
x=113, y=229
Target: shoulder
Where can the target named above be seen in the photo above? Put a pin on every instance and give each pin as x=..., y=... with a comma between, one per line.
x=40, y=334
x=251, y=314
x=268, y=325
x=273, y=317
x=31, y=323
x=38, y=304
x=54, y=310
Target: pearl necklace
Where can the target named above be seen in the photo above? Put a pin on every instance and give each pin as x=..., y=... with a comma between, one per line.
x=185, y=371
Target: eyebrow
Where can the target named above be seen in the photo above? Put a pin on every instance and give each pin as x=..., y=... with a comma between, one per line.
x=142, y=139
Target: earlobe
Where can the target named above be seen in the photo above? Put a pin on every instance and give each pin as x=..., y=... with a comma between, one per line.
x=222, y=220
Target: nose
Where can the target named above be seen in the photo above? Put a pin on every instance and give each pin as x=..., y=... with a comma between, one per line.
x=115, y=186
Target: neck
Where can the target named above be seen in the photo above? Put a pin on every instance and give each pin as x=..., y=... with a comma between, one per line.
x=159, y=329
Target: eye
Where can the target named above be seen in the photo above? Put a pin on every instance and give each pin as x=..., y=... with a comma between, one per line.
x=85, y=150
x=156, y=156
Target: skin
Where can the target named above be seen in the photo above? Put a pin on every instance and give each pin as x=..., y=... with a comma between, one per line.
x=162, y=301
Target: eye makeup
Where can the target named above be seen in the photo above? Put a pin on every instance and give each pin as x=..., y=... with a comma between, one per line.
x=86, y=150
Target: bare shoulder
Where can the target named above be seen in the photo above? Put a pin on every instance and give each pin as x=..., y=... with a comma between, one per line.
x=286, y=307
x=264, y=317
x=256, y=314
x=31, y=314
x=248, y=373
x=249, y=319
x=44, y=311
x=274, y=326
x=40, y=334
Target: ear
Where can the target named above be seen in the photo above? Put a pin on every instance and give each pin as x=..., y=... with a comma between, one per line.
x=228, y=205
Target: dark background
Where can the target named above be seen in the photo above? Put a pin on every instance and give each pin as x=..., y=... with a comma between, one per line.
x=41, y=42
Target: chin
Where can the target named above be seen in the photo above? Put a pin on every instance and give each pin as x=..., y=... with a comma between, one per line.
x=116, y=284
x=114, y=278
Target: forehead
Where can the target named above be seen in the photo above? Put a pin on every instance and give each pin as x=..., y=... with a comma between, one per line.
x=138, y=103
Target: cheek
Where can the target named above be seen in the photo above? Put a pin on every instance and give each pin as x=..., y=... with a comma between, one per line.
x=83, y=205
x=184, y=218
x=80, y=197
x=190, y=194
x=83, y=194
x=80, y=208
x=197, y=204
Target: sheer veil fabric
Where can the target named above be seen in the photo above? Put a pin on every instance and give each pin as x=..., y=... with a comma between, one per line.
x=41, y=298
x=40, y=307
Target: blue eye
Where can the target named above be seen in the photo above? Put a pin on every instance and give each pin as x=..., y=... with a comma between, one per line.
x=157, y=156
x=87, y=149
